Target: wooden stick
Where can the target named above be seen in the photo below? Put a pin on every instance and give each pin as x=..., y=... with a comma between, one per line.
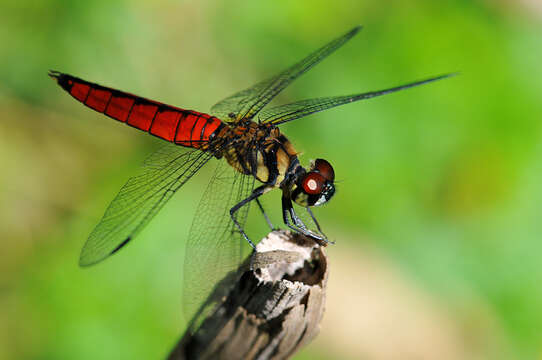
x=273, y=309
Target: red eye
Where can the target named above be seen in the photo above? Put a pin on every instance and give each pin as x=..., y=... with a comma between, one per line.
x=313, y=183
x=325, y=169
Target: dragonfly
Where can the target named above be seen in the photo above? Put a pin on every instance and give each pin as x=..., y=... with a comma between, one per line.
x=244, y=136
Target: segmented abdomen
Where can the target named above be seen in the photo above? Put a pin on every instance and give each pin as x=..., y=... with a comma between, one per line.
x=183, y=127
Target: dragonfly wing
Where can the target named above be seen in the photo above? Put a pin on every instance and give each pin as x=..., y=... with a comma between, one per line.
x=284, y=113
x=162, y=174
x=247, y=103
x=214, y=247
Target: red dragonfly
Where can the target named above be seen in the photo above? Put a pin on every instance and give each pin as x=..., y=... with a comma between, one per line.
x=240, y=131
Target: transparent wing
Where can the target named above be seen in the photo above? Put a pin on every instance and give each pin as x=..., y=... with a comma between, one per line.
x=163, y=173
x=247, y=103
x=214, y=246
x=284, y=113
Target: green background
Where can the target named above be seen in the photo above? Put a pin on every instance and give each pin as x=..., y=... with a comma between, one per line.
x=438, y=209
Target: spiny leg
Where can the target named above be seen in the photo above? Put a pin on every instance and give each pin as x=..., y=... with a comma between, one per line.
x=298, y=225
x=265, y=215
x=259, y=191
x=318, y=226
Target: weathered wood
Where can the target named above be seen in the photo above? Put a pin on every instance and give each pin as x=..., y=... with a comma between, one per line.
x=273, y=309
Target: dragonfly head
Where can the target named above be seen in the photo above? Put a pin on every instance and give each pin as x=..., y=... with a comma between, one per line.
x=316, y=186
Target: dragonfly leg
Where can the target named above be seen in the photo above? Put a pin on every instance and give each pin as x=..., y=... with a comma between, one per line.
x=259, y=191
x=298, y=225
x=264, y=214
x=318, y=225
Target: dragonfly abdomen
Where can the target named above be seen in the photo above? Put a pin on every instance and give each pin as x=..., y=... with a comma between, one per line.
x=183, y=127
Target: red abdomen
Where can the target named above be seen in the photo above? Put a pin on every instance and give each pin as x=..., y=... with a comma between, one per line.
x=183, y=127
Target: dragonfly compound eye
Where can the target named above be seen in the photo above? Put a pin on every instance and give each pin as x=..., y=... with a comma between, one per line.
x=313, y=183
x=324, y=168
x=314, y=190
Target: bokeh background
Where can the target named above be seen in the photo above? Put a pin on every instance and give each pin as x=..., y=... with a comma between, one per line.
x=438, y=212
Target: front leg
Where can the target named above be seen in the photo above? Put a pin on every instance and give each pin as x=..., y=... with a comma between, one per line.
x=318, y=225
x=298, y=225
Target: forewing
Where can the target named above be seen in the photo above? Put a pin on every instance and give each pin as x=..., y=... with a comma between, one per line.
x=284, y=113
x=214, y=247
x=247, y=103
x=162, y=174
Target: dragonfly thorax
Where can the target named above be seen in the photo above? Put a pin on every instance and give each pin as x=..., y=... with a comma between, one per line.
x=260, y=150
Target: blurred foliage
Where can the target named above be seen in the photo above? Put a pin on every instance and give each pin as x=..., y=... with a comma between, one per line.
x=446, y=178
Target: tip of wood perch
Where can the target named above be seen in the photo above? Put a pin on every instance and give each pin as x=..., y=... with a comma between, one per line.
x=283, y=255
x=272, y=310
